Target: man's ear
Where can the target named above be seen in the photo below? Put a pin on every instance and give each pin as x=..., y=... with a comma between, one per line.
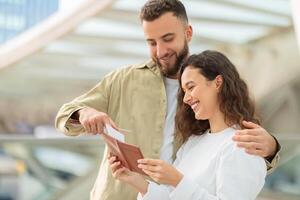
x=189, y=33
x=218, y=82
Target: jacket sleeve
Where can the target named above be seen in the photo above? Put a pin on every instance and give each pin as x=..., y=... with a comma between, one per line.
x=97, y=98
x=272, y=163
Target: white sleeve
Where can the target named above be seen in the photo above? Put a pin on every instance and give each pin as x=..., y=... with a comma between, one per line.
x=155, y=192
x=238, y=176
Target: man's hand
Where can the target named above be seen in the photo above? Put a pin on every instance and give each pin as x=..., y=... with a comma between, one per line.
x=94, y=121
x=160, y=171
x=256, y=140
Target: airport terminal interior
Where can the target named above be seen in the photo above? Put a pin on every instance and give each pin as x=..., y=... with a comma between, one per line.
x=52, y=51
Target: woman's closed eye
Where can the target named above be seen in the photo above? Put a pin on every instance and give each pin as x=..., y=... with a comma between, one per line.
x=190, y=88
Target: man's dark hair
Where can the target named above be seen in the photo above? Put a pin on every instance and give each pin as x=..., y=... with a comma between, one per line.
x=153, y=9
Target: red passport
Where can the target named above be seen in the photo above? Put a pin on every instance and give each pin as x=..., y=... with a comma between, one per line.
x=128, y=154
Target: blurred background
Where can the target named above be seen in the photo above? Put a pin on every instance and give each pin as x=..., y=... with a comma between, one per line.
x=54, y=50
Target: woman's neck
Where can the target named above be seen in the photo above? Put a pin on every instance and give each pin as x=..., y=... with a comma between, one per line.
x=217, y=122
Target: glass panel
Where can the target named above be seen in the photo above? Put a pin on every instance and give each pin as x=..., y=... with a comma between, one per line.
x=40, y=169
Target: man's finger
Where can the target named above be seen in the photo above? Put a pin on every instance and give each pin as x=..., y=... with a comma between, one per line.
x=109, y=121
x=249, y=145
x=256, y=152
x=250, y=125
x=247, y=132
x=245, y=138
x=100, y=128
x=94, y=127
x=253, y=149
x=112, y=123
x=87, y=127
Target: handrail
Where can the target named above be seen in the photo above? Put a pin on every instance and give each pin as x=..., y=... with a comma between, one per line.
x=95, y=139
x=57, y=141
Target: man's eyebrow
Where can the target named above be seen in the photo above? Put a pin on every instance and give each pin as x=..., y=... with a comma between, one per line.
x=164, y=36
x=150, y=40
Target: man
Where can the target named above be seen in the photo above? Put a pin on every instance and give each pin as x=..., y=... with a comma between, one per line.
x=142, y=99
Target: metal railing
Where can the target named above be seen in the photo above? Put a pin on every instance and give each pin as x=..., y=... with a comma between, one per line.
x=60, y=179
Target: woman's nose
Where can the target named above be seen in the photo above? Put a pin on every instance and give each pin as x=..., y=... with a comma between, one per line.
x=186, y=98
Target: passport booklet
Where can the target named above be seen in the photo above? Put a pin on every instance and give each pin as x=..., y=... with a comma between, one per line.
x=128, y=154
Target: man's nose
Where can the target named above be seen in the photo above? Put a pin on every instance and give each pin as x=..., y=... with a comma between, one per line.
x=161, y=51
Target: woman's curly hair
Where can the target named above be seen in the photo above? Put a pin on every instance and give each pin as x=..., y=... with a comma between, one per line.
x=234, y=97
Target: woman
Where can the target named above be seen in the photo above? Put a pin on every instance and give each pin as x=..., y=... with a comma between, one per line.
x=212, y=104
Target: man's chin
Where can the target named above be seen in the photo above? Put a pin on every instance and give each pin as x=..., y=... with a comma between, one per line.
x=167, y=68
x=164, y=64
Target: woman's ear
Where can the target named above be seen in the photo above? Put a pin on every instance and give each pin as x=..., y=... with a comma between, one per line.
x=218, y=82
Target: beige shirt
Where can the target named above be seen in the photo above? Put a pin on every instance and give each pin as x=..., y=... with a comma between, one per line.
x=135, y=99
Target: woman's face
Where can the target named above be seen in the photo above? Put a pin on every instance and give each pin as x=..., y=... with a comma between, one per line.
x=200, y=94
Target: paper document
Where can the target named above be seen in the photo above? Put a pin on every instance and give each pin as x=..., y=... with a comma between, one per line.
x=114, y=133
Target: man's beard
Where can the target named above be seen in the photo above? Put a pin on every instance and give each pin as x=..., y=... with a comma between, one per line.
x=172, y=70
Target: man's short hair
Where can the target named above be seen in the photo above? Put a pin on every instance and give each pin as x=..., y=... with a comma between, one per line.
x=153, y=9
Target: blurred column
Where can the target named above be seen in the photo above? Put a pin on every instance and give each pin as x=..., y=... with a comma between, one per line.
x=296, y=18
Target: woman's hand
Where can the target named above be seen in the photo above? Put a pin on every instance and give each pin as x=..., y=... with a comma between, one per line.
x=160, y=171
x=118, y=171
x=123, y=174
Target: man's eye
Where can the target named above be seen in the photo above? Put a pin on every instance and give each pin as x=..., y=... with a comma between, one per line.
x=151, y=43
x=168, y=39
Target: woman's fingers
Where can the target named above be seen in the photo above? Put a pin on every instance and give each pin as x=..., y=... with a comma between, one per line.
x=115, y=166
x=118, y=172
x=150, y=161
x=111, y=159
x=152, y=168
x=114, y=163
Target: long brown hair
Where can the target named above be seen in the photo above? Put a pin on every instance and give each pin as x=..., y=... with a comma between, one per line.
x=235, y=102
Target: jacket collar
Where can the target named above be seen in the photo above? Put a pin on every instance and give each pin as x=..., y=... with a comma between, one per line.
x=150, y=64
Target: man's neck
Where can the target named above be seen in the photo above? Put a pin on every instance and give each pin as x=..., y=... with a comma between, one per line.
x=175, y=77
